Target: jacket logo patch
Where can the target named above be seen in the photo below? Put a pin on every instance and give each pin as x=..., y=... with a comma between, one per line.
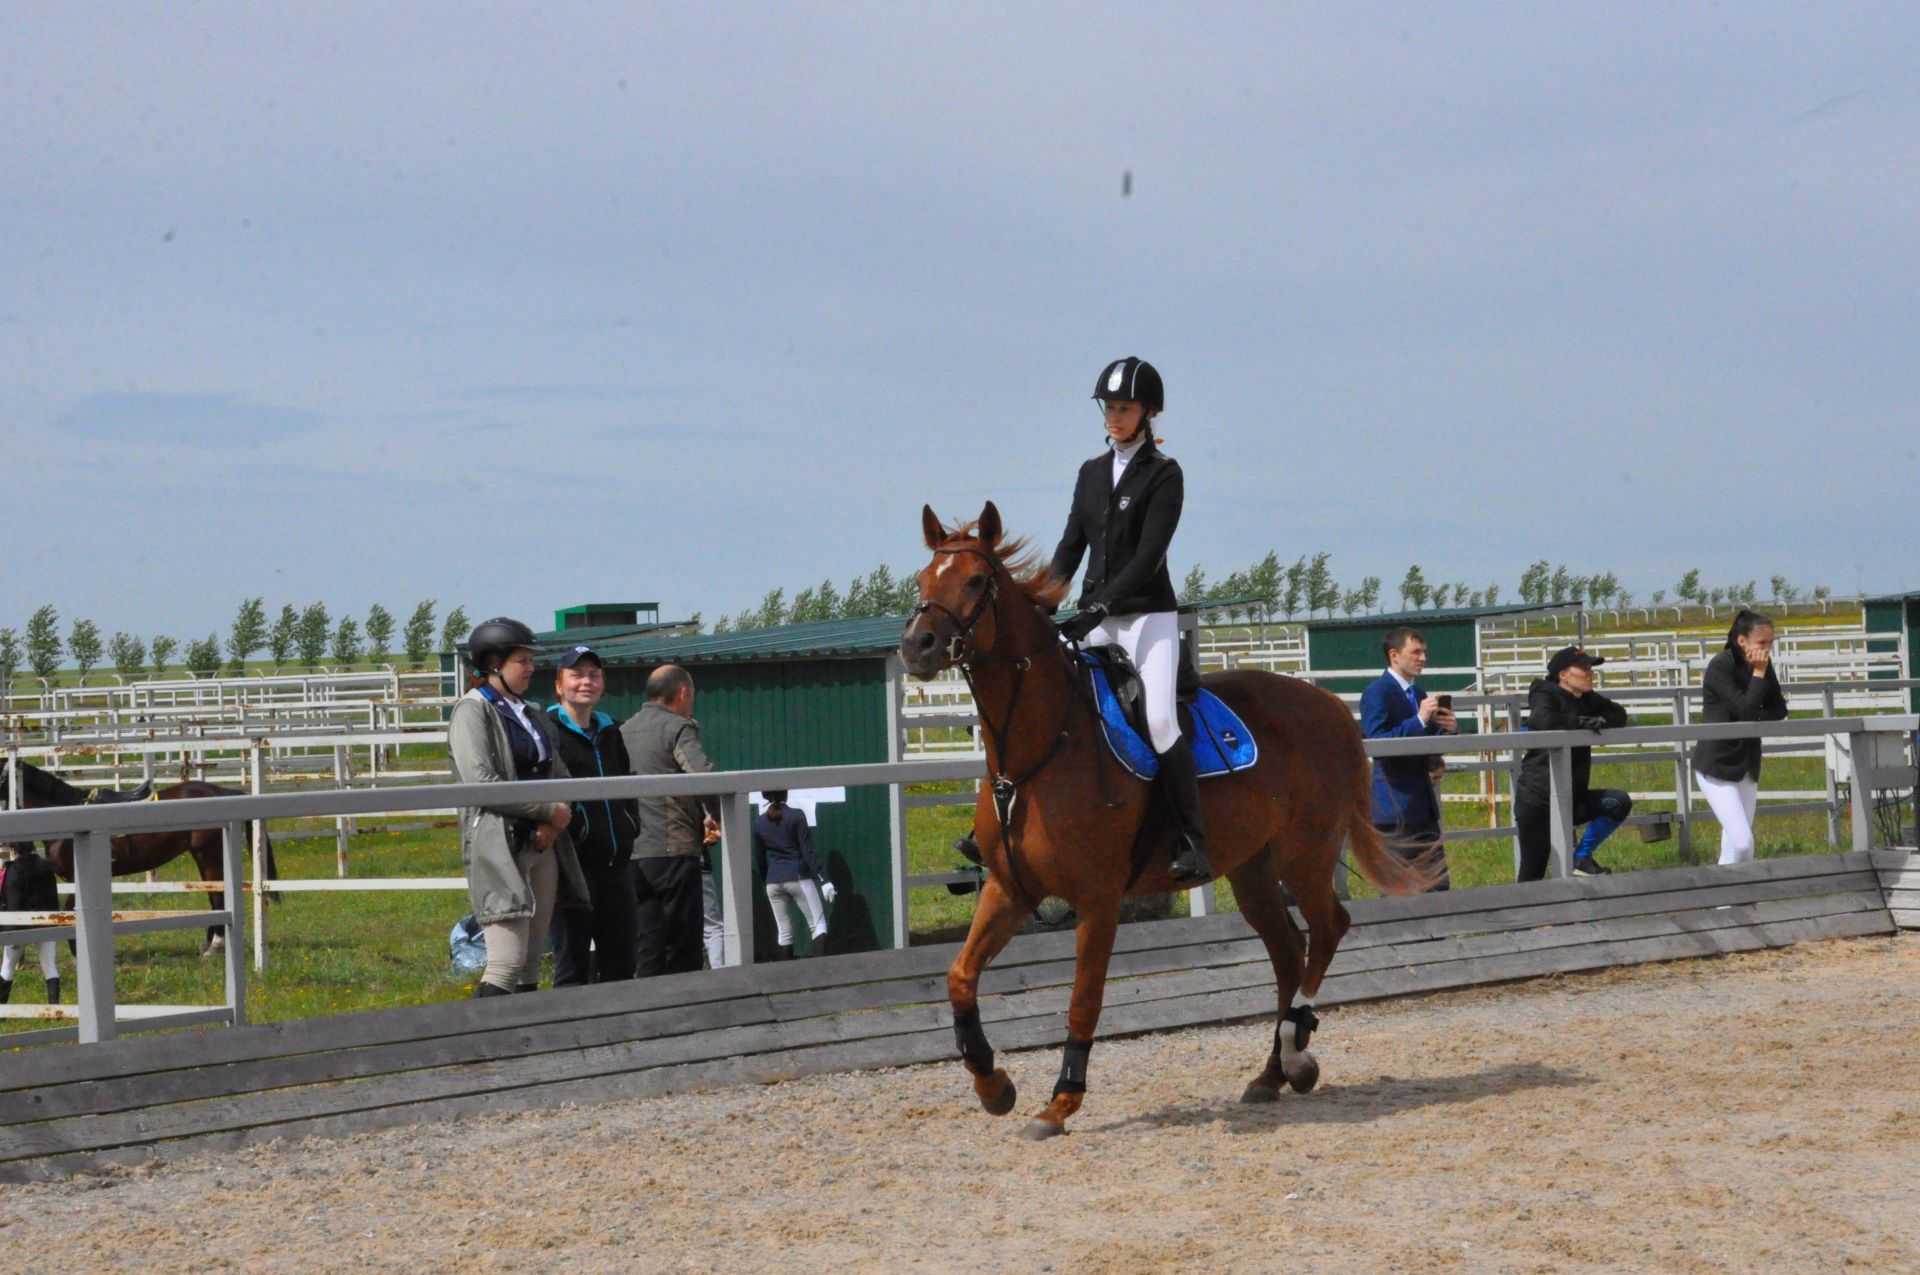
x=1125, y=501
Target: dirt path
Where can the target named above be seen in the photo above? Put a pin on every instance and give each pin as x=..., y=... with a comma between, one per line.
x=1753, y=1113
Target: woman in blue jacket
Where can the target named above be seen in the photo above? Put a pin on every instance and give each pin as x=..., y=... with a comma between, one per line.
x=784, y=844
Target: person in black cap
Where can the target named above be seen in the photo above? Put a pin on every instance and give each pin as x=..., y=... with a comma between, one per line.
x=595, y=944
x=518, y=856
x=1126, y=507
x=1565, y=700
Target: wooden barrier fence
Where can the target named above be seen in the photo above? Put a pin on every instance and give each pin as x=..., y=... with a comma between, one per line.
x=64, y=1110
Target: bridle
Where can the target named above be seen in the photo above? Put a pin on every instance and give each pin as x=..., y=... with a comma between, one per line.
x=960, y=651
x=960, y=643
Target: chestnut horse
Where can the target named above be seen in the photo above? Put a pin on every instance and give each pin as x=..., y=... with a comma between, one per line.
x=140, y=851
x=1063, y=829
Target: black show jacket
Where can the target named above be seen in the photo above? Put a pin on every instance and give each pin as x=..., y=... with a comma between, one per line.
x=1731, y=693
x=1124, y=532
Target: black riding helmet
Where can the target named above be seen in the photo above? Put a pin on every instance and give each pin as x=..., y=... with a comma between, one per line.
x=499, y=636
x=1132, y=380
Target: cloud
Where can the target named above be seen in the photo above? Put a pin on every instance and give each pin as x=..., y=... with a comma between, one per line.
x=196, y=420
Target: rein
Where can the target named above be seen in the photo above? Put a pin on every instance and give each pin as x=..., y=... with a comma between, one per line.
x=962, y=651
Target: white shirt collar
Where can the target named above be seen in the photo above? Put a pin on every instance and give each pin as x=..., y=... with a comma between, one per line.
x=1394, y=673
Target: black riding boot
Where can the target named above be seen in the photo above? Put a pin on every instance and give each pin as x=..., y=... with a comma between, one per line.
x=785, y=953
x=969, y=849
x=484, y=989
x=53, y=990
x=6, y=990
x=1181, y=782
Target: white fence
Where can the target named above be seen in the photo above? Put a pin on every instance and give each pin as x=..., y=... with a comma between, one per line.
x=1884, y=739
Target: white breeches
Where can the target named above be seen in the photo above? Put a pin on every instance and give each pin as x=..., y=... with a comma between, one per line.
x=11, y=960
x=803, y=894
x=1733, y=805
x=1152, y=642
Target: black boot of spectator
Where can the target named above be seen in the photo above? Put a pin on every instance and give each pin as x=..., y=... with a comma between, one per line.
x=6, y=990
x=786, y=952
x=484, y=988
x=53, y=990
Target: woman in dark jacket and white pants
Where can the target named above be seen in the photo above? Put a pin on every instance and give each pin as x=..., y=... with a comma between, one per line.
x=1126, y=507
x=1741, y=685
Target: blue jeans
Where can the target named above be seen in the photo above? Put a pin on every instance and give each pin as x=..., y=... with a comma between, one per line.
x=1601, y=811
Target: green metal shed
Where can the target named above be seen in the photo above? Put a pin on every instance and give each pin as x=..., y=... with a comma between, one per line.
x=820, y=694
x=1893, y=622
x=1351, y=645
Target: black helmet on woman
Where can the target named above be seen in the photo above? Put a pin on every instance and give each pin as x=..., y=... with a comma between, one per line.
x=498, y=637
x=1132, y=380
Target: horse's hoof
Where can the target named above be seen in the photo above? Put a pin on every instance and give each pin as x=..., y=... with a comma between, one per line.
x=1041, y=1130
x=1304, y=1077
x=997, y=1102
x=1257, y=1092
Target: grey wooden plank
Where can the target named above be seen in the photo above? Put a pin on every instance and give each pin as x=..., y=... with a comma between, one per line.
x=1907, y=918
x=935, y=1041
x=394, y=1025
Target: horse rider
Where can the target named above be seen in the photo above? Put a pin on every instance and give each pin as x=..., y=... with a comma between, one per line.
x=519, y=858
x=1126, y=507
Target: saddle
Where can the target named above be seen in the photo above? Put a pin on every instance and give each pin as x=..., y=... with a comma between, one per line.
x=1222, y=744
x=110, y=797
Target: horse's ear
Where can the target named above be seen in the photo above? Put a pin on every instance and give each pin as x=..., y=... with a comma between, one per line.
x=930, y=525
x=990, y=528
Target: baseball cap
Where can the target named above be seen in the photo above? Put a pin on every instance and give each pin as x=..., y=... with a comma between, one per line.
x=578, y=653
x=1568, y=656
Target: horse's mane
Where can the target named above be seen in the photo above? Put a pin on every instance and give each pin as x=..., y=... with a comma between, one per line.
x=47, y=786
x=1033, y=573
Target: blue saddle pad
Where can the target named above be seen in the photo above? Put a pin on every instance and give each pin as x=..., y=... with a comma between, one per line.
x=1223, y=744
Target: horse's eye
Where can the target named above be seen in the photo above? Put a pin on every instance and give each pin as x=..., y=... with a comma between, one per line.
x=976, y=582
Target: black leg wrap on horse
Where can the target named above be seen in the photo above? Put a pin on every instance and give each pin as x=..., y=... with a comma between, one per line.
x=1073, y=1067
x=975, y=1052
x=1304, y=1020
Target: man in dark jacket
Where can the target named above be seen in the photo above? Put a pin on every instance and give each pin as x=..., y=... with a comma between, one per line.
x=663, y=739
x=1565, y=700
x=597, y=943
x=27, y=884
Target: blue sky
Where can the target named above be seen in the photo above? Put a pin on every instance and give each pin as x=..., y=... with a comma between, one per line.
x=520, y=306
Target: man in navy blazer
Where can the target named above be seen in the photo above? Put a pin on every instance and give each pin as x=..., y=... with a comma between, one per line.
x=1405, y=805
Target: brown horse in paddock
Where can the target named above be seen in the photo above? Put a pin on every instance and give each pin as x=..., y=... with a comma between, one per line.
x=1072, y=815
x=140, y=851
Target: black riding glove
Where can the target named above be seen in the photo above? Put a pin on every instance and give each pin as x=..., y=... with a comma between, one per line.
x=1594, y=724
x=1085, y=622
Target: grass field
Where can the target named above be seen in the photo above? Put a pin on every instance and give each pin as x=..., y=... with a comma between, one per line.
x=334, y=952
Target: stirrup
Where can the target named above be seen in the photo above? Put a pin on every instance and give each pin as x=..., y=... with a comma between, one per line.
x=1191, y=866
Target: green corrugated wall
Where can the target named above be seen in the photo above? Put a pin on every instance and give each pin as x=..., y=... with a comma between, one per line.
x=1450, y=644
x=768, y=713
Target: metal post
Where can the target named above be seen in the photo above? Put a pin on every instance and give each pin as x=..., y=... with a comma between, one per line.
x=93, y=927
x=257, y=774
x=1560, y=807
x=1861, y=793
x=896, y=691
x=1833, y=785
x=233, y=855
x=14, y=800
x=1513, y=786
x=736, y=878
x=340, y=821
x=1683, y=780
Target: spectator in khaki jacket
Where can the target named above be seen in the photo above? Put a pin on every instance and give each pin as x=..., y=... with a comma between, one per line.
x=664, y=739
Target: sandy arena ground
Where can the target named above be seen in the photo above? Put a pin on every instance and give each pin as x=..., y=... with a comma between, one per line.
x=1753, y=1113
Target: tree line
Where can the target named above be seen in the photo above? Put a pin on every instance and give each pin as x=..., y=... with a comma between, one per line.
x=301, y=636
x=1271, y=590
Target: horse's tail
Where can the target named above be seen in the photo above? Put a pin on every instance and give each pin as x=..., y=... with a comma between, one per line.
x=1378, y=864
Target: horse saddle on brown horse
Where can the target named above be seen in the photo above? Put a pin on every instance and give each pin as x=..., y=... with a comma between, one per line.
x=111, y=797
